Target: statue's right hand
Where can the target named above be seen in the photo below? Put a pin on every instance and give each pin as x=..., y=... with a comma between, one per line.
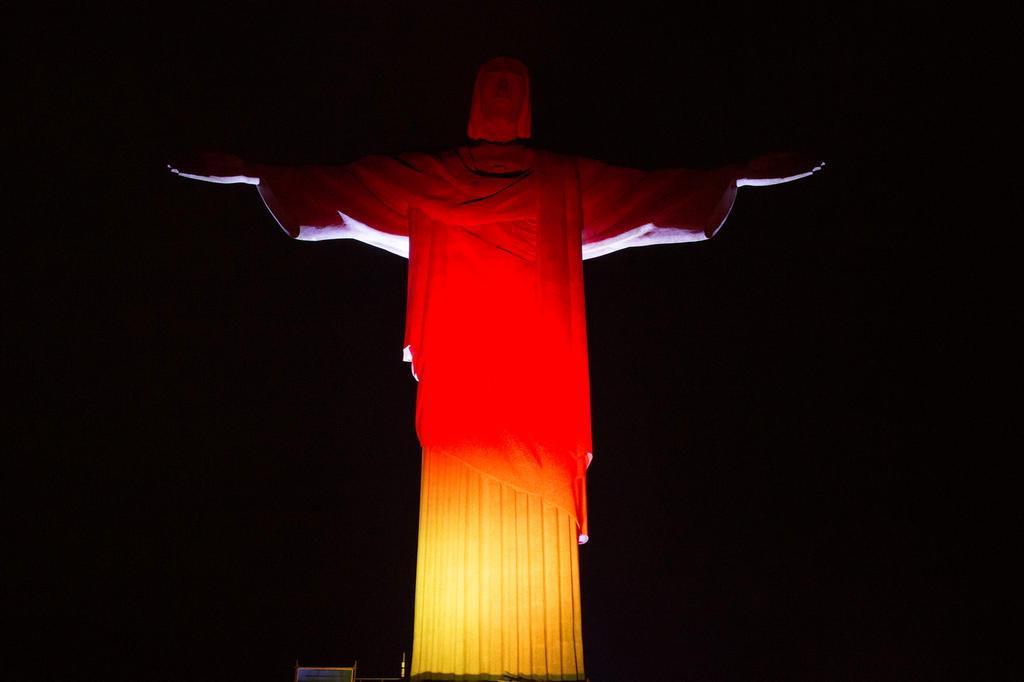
x=226, y=169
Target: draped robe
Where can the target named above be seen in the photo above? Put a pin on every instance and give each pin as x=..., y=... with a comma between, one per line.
x=495, y=326
x=496, y=234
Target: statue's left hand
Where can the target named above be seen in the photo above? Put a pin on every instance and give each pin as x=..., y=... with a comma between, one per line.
x=225, y=169
x=774, y=169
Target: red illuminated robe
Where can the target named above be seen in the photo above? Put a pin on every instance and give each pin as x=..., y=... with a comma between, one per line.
x=495, y=326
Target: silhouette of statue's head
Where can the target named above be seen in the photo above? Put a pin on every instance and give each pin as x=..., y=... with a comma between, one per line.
x=501, y=101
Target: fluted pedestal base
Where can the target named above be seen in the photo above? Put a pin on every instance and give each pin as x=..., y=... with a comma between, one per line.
x=497, y=580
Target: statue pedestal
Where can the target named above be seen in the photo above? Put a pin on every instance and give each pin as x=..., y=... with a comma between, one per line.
x=497, y=580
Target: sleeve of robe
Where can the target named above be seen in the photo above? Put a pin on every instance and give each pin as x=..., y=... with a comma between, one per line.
x=626, y=207
x=368, y=200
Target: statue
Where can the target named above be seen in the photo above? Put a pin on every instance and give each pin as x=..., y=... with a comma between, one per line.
x=496, y=233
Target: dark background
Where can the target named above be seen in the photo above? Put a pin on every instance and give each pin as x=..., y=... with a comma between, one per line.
x=215, y=428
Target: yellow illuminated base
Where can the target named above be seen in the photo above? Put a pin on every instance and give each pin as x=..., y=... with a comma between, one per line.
x=497, y=581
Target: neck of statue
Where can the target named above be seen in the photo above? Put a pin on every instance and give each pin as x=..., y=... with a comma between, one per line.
x=498, y=157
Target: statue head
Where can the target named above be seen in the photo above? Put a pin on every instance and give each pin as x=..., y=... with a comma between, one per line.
x=501, y=101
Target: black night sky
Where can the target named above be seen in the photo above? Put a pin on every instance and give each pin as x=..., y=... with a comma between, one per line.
x=220, y=470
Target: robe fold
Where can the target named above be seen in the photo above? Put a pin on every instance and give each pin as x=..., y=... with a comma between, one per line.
x=495, y=319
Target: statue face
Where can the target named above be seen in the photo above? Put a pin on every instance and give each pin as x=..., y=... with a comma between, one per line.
x=501, y=101
x=502, y=96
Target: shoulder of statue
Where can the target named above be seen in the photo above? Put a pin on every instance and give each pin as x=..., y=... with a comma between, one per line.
x=555, y=163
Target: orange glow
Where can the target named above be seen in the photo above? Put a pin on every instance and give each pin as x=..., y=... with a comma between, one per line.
x=497, y=580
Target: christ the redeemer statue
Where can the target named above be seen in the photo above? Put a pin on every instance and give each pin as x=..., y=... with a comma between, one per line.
x=496, y=233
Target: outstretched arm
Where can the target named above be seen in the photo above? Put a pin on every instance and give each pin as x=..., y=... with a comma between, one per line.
x=367, y=200
x=775, y=169
x=627, y=207
x=223, y=169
